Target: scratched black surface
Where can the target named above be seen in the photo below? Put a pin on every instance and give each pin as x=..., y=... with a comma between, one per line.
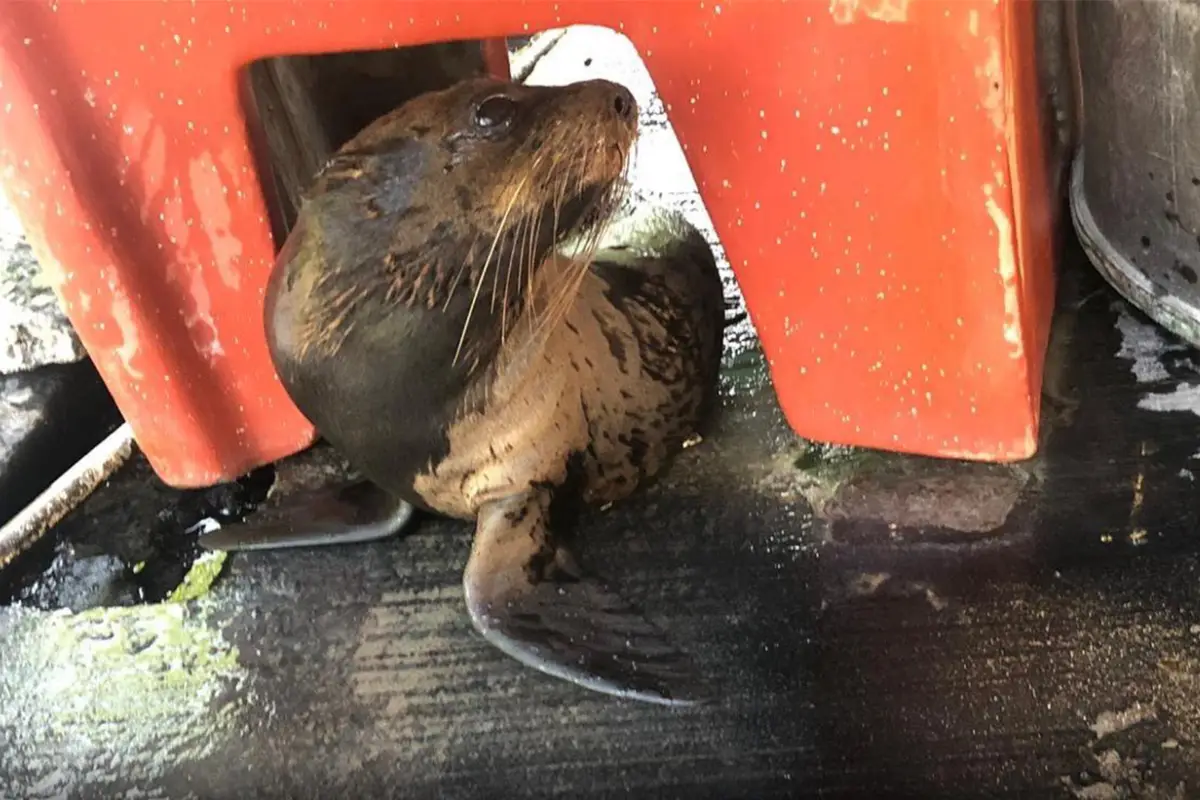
x=982, y=681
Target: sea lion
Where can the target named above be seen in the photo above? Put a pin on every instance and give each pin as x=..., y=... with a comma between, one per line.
x=444, y=313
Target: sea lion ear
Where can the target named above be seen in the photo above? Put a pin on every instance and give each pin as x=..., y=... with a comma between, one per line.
x=527, y=597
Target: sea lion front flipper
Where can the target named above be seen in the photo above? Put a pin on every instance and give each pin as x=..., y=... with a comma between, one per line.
x=345, y=514
x=527, y=597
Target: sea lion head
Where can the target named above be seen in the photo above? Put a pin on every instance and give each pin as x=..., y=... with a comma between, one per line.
x=451, y=200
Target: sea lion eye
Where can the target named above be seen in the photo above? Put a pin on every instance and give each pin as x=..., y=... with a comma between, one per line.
x=495, y=112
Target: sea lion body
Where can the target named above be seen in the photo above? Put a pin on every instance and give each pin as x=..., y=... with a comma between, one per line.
x=625, y=377
x=432, y=316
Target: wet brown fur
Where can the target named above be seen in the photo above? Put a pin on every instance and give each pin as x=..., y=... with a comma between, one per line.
x=556, y=386
x=428, y=316
x=541, y=168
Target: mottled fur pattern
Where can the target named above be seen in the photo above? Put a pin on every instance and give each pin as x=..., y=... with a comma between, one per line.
x=448, y=316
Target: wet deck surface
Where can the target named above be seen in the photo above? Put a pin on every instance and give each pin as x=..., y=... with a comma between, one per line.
x=1026, y=631
x=852, y=658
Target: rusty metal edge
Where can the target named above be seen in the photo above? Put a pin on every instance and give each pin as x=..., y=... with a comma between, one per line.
x=1157, y=302
x=65, y=493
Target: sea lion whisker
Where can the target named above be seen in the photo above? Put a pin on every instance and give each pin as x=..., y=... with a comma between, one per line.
x=562, y=297
x=468, y=258
x=521, y=225
x=591, y=244
x=526, y=249
x=479, y=282
x=515, y=256
x=523, y=229
x=568, y=287
x=558, y=308
x=495, y=286
x=528, y=265
x=559, y=201
x=516, y=234
x=466, y=261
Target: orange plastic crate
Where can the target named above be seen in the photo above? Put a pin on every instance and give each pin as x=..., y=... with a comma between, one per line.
x=874, y=169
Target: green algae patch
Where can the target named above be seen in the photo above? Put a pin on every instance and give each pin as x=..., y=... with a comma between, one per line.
x=117, y=693
x=120, y=694
x=143, y=661
x=200, y=578
x=144, y=666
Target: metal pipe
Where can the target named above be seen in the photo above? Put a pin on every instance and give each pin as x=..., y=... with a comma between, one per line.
x=65, y=494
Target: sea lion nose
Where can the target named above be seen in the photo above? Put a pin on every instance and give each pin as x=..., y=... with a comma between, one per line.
x=623, y=103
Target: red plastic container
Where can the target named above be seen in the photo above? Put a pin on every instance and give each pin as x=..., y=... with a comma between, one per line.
x=874, y=169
